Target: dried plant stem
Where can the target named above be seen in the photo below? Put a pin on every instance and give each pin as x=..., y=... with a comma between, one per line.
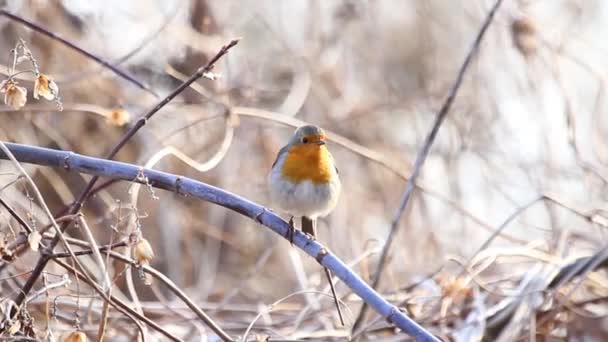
x=63, y=282
x=118, y=304
x=500, y=228
x=21, y=296
x=270, y=307
x=103, y=275
x=423, y=153
x=153, y=272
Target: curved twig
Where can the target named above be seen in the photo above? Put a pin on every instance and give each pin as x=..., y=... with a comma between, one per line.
x=398, y=168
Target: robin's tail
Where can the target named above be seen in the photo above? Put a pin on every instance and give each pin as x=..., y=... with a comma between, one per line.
x=309, y=226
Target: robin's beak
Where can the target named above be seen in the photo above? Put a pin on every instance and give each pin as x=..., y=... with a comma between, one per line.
x=320, y=142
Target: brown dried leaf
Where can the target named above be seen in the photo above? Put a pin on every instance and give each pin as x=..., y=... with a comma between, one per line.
x=44, y=86
x=34, y=240
x=14, y=95
x=118, y=117
x=14, y=327
x=143, y=252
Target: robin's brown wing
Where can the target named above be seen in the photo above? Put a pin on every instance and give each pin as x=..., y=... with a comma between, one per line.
x=281, y=151
x=333, y=161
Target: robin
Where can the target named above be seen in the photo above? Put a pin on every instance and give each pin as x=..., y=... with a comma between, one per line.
x=304, y=182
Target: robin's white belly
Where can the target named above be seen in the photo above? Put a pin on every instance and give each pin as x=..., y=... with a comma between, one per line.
x=304, y=198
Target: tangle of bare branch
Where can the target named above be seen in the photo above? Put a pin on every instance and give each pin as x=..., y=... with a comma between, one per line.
x=77, y=205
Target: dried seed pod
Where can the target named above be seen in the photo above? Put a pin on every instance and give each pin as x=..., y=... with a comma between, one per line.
x=33, y=239
x=458, y=289
x=14, y=95
x=143, y=252
x=14, y=327
x=118, y=117
x=525, y=35
x=44, y=86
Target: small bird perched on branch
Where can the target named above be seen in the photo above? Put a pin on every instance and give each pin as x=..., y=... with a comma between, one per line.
x=304, y=182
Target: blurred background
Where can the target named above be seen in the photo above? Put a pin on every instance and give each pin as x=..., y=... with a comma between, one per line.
x=523, y=147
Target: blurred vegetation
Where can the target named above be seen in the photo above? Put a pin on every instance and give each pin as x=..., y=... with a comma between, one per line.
x=522, y=150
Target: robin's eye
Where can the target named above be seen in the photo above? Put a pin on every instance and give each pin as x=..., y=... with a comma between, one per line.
x=304, y=140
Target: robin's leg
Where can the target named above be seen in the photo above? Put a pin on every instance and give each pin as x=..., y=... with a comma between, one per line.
x=291, y=231
x=313, y=236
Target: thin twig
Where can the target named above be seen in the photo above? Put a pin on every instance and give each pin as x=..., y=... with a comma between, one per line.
x=423, y=153
x=270, y=307
x=63, y=282
x=144, y=119
x=500, y=228
x=103, y=321
x=103, y=275
x=76, y=48
x=16, y=245
x=102, y=249
x=16, y=216
x=334, y=294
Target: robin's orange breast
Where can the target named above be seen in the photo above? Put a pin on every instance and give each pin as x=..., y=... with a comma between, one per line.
x=308, y=162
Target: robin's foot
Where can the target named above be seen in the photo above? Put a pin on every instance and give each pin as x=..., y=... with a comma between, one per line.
x=310, y=237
